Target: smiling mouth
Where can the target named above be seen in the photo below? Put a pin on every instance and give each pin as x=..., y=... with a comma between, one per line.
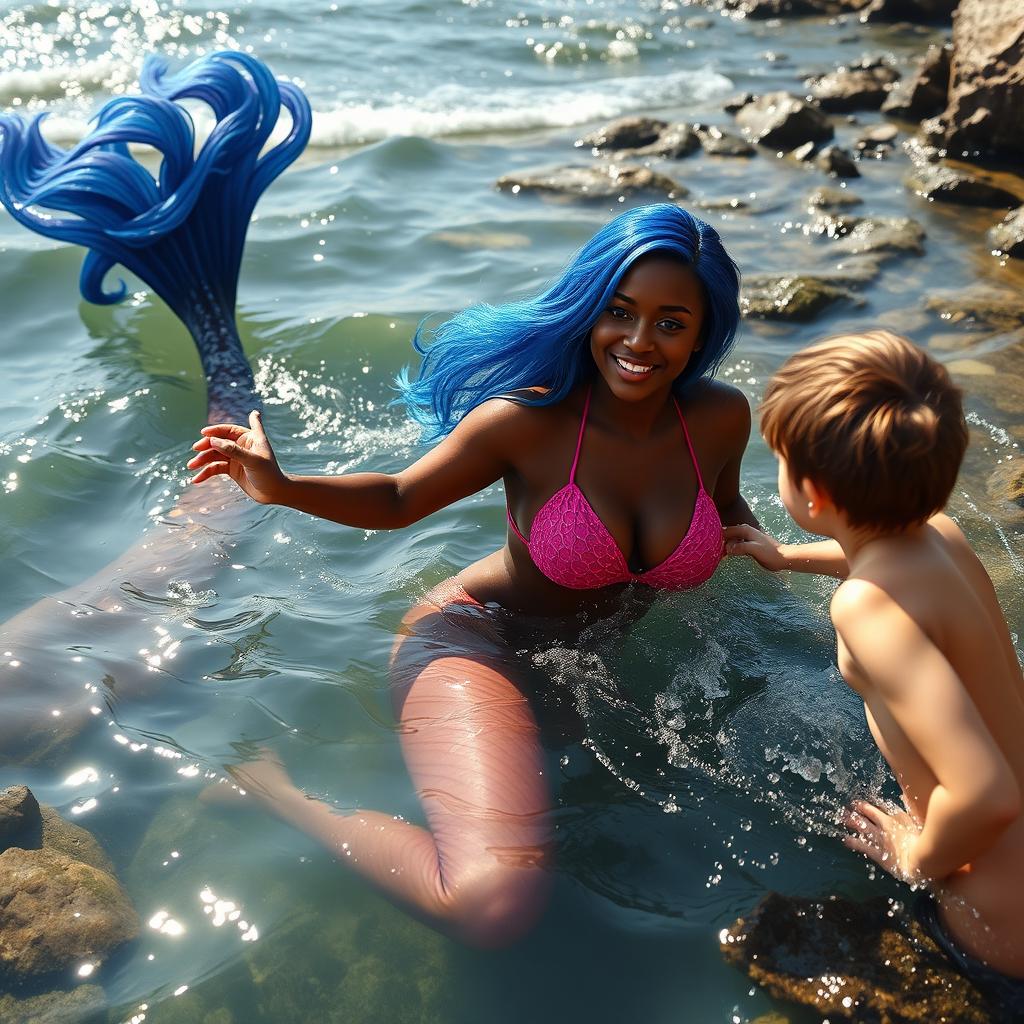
x=633, y=369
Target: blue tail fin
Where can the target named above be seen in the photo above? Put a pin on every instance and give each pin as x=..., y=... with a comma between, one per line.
x=182, y=232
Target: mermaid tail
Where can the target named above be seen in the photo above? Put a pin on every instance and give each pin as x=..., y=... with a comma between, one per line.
x=183, y=232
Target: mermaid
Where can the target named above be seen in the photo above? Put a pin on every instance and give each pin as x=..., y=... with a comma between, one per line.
x=620, y=456
x=594, y=402
x=182, y=233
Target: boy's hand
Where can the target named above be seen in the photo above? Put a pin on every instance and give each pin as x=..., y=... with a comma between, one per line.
x=765, y=550
x=243, y=454
x=888, y=838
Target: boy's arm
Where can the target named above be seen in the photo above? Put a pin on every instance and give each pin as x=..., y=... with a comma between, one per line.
x=824, y=557
x=976, y=795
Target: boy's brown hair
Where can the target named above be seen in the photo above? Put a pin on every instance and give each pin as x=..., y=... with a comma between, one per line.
x=873, y=421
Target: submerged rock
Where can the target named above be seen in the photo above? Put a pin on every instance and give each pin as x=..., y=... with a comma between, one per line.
x=71, y=1006
x=838, y=162
x=884, y=236
x=625, y=133
x=851, y=961
x=924, y=93
x=944, y=185
x=1008, y=235
x=782, y=121
x=797, y=297
x=602, y=182
x=985, y=113
x=981, y=307
x=862, y=86
x=19, y=813
x=56, y=912
x=878, y=140
x=716, y=141
x=825, y=198
x=30, y=826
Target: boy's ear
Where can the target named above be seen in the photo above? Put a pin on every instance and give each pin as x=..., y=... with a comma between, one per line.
x=816, y=497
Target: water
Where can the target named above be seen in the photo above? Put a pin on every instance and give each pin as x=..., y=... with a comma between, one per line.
x=711, y=749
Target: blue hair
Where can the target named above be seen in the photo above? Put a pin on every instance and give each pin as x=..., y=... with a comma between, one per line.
x=486, y=351
x=183, y=232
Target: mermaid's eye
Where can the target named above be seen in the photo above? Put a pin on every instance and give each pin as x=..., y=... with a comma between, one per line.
x=618, y=313
x=671, y=325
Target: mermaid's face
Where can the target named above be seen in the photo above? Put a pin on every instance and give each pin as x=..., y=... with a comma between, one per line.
x=651, y=328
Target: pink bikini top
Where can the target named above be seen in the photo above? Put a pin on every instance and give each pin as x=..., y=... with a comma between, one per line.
x=573, y=548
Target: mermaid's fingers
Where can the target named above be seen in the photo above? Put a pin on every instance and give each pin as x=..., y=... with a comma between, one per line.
x=211, y=470
x=230, y=431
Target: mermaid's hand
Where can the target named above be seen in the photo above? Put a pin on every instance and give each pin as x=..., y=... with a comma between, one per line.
x=242, y=453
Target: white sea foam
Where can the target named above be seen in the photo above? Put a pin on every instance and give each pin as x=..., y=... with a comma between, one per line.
x=459, y=110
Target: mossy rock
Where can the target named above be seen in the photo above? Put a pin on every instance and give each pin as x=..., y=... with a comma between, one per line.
x=64, y=1006
x=851, y=961
x=799, y=297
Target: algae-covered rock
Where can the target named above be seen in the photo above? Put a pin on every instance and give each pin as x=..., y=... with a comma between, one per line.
x=69, y=1006
x=797, y=297
x=602, y=182
x=19, y=813
x=56, y=912
x=851, y=961
x=30, y=826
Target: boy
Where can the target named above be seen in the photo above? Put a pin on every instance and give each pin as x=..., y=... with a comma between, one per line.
x=870, y=433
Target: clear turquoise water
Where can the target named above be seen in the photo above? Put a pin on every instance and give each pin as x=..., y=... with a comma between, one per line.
x=704, y=759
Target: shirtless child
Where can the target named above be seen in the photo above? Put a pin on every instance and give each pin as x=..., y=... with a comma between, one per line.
x=869, y=432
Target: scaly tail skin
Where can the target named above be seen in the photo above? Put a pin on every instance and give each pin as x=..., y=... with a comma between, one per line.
x=182, y=233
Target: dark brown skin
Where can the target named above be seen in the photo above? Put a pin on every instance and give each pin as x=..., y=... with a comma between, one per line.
x=462, y=703
x=634, y=467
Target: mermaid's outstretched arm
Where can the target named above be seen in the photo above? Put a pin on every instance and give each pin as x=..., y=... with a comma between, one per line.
x=181, y=232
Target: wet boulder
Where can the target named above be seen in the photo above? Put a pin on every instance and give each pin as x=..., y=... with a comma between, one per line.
x=863, y=962
x=924, y=93
x=673, y=142
x=884, y=236
x=983, y=308
x=602, y=182
x=878, y=141
x=1008, y=235
x=782, y=121
x=624, y=133
x=793, y=297
x=716, y=141
x=762, y=10
x=735, y=103
x=838, y=162
x=862, y=86
x=825, y=198
x=944, y=185
x=985, y=114
x=56, y=913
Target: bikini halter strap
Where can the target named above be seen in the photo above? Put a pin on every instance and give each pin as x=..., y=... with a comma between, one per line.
x=689, y=444
x=579, y=440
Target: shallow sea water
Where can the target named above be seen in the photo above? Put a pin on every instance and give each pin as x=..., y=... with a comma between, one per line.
x=695, y=766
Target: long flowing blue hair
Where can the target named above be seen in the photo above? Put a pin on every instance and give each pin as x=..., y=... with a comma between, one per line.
x=183, y=231
x=486, y=351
